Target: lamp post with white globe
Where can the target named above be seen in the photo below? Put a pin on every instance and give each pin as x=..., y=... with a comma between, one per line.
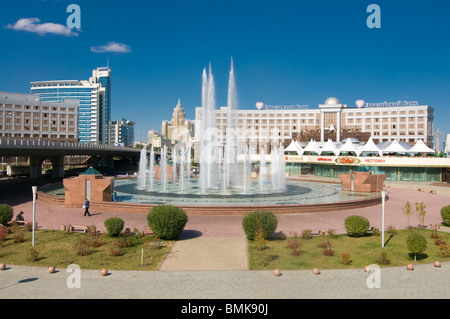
x=34, y=189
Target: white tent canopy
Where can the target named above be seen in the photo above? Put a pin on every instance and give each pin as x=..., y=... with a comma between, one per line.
x=294, y=147
x=349, y=147
x=312, y=147
x=330, y=147
x=299, y=146
x=420, y=147
x=370, y=147
x=394, y=147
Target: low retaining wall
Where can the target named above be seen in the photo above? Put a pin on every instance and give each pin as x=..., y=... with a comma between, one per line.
x=222, y=210
x=50, y=199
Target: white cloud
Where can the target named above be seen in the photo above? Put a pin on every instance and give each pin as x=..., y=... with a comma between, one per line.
x=33, y=25
x=112, y=47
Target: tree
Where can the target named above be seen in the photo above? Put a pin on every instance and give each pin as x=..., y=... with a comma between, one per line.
x=421, y=212
x=416, y=244
x=407, y=210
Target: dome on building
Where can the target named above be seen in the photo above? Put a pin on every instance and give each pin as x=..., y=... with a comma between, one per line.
x=332, y=101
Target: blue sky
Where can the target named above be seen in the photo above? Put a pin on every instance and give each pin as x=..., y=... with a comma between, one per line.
x=285, y=52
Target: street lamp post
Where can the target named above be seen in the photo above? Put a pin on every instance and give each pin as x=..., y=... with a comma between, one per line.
x=383, y=200
x=34, y=188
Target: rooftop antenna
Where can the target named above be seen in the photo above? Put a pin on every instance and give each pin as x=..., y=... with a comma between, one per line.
x=107, y=62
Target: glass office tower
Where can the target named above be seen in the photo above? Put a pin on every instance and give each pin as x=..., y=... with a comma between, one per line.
x=102, y=76
x=95, y=102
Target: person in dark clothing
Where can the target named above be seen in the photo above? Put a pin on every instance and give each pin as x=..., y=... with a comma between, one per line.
x=86, y=208
x=19, y=217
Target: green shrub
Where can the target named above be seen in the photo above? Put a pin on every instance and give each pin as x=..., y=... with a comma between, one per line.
x=356, y=226
x=166, y=221
x=383, y=258
x=445, y=214
x=33, y=255
x=306, y=234
x=19, y=236
x=83, y=247
x=114, y=226
x=4, y=232
x=115, y=250
x=6, y=214
x=346, y=258
x=253, y=221
x=416, y=244
x=444, y=251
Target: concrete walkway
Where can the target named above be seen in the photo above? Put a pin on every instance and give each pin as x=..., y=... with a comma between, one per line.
x=205, y=253
x=425, y=281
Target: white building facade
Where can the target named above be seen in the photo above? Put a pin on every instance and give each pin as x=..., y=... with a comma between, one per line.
x=268, y=126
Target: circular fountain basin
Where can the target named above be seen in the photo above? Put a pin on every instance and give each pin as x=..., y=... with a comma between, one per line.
x=299, y=197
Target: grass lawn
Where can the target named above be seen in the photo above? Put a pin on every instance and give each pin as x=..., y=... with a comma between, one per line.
x=57, y=249
x=363, y=251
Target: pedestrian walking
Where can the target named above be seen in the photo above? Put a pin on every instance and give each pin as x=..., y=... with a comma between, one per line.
x=86, y=208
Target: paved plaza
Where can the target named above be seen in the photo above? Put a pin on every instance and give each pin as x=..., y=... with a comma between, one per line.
x=209, y=261
x=424, y=281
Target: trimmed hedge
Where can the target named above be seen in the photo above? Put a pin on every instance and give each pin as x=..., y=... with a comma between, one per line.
x=6, y=214
x=251, y=223
x=167, y=221
x=445, y=214
x=114, y=226
x=356, y=226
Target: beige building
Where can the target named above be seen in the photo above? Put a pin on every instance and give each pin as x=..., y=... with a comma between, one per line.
x=269, y=126
x=25, y=116
x=157, y=141
x=179, y=128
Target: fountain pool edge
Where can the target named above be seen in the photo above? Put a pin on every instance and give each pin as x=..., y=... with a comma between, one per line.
x=193, y=210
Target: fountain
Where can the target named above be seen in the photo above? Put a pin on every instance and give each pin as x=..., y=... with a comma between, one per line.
x=152, y=169
x=142, y=169
x=163, y=170
x=223, y=168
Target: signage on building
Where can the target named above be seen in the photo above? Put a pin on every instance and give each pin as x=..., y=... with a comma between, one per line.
x=369, y=161
x=362, y=103
x=347, y=160
x=262, y=106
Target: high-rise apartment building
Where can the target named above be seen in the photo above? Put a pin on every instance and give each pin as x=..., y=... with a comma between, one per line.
x=121, y=133
x=94, y=98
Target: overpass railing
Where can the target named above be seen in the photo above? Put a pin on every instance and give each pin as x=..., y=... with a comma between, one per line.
x=54, y=144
